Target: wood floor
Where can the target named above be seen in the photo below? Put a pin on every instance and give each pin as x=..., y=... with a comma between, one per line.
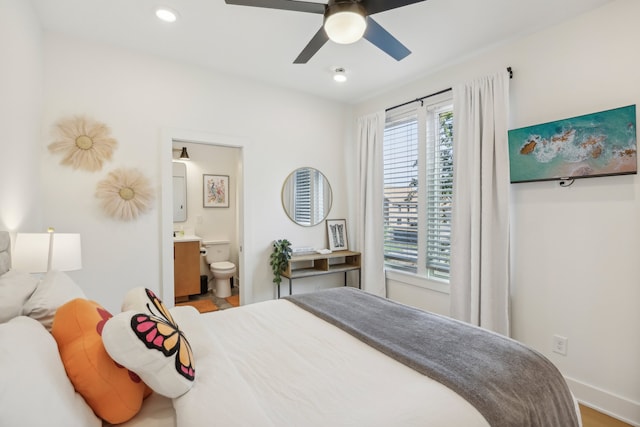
x=593, y=418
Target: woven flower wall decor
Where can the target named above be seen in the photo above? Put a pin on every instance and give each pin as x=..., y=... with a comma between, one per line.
x=125, y=194
x=84, y=143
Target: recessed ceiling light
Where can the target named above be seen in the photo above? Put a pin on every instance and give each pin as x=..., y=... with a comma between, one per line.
x=339, y=75
x=167, y=15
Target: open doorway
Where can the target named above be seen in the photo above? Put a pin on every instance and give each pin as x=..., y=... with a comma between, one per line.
x=210, y=154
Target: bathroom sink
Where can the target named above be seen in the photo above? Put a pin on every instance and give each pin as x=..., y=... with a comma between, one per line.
x=186, y=238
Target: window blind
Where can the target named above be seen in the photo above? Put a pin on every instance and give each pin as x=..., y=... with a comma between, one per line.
x=400, y=154
x=418, y=189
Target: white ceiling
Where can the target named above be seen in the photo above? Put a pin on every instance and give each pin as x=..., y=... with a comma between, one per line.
x=261, y=43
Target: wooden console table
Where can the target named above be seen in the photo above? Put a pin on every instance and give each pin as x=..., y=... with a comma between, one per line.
x=315, y=264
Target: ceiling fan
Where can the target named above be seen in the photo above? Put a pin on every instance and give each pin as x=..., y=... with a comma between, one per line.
x=345, y=21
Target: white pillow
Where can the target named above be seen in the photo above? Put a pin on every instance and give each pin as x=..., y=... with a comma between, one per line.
x=53, y=291
x=137, y=299
x=149, y=342
x=35, y=389
x=15, y=289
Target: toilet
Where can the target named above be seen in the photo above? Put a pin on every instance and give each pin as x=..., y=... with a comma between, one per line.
x=217, y=254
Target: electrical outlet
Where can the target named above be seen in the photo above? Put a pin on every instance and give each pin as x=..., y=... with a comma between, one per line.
x=560, y=344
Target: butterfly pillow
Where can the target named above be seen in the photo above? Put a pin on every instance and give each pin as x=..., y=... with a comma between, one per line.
x=149, y=342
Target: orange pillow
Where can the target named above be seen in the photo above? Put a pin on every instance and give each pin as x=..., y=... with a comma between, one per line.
x=114, y=393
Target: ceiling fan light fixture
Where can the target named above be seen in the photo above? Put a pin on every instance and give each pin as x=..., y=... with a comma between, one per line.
x=345, y=23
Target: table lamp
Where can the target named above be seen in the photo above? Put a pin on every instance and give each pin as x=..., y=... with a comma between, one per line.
x=41, y=252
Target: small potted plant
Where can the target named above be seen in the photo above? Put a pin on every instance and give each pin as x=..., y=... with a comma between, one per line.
x=280, y=258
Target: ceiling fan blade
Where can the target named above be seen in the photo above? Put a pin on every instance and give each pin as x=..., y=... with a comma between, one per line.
x=297, y=6
x=384, y=40
x=375, y=6
x=314, y=46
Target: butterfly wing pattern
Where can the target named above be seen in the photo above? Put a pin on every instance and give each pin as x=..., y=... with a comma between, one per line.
x=157, y=330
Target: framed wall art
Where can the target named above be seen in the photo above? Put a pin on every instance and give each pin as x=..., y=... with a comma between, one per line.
x=337, y=234
x=597, y=144
x=215, y=191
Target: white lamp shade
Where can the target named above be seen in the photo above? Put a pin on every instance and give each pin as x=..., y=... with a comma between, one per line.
x=31, y=252
x=345, y=27
x=67, y=252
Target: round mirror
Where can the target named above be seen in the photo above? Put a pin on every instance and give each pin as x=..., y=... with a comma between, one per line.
x=306, y=197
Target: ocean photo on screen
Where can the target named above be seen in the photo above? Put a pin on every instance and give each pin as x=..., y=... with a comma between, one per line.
x=596, y=144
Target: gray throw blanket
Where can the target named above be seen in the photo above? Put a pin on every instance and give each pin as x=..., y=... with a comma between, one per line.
x=510, y=384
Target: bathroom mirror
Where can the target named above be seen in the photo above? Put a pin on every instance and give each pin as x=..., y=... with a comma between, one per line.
x=179, y=192
x=307, y=196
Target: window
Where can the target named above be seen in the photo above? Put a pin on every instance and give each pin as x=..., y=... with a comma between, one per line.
x=418, y=189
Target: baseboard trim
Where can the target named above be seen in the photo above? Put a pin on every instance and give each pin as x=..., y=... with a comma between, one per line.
x=606, y=402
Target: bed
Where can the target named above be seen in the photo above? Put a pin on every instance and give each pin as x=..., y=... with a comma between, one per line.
x=338, y=357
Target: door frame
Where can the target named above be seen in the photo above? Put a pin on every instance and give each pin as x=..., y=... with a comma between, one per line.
x=168, y=136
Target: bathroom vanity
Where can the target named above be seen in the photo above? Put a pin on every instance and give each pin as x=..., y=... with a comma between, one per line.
x=186, y=267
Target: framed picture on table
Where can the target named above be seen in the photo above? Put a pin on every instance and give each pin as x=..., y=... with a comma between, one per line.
x=337, y=234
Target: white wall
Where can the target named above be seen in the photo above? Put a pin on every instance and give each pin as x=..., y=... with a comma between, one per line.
x=21, y=82
x=139, y=97
x=575, y=250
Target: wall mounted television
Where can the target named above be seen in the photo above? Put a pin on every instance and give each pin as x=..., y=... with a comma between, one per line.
x=591, y=145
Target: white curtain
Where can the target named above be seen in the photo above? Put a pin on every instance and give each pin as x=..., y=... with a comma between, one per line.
x=480, y=219
x=369, y=203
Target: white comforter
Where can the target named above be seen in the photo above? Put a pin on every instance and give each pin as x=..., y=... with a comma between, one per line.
x=274, y=364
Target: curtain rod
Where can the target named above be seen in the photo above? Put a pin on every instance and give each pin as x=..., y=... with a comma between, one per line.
x=509, y=70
